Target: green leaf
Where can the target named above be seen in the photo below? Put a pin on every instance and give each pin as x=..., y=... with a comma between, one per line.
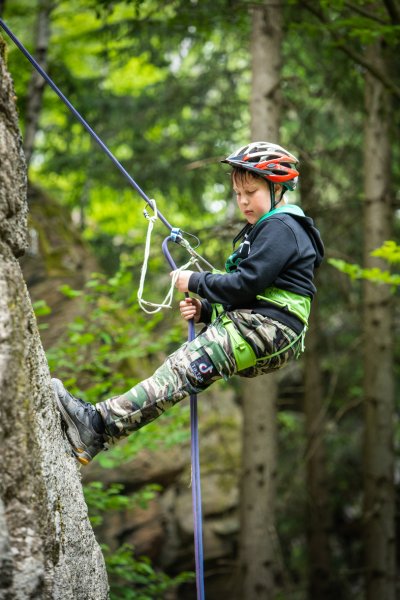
x=41, y=308
x=389, y=251
x=69, y=292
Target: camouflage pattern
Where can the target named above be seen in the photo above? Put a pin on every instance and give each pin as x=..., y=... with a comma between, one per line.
x=195, y=366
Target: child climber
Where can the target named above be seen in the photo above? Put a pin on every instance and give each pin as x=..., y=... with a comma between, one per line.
x=256, y=313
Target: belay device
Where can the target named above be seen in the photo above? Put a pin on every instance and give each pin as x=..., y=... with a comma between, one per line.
x=177, y=237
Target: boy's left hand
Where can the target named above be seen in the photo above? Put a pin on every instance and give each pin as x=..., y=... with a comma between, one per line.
x=182, y=281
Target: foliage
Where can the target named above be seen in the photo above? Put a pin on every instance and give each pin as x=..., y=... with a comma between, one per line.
x=130, y=577
x=112, y=333
x=41, y=308
x=135, y=579
x=389, y=251
x=162, y=95
x=167, y=85
x=101, y=499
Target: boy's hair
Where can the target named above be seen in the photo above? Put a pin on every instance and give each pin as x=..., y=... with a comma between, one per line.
x=242, y=176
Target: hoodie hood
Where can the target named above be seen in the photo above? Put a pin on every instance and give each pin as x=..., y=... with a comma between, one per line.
x=315, y=236
x=306, y=222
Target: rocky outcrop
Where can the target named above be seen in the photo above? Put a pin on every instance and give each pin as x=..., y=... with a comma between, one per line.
x=47, y=547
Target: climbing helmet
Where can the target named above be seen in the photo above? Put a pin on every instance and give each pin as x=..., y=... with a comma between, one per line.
x=267, y=160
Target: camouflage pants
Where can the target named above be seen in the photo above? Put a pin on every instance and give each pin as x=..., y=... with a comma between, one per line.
x=195, y=366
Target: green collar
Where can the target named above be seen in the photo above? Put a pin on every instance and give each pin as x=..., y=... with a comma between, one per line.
x=291, y=209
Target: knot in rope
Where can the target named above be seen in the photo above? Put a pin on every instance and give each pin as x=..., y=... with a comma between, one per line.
x=152, y=307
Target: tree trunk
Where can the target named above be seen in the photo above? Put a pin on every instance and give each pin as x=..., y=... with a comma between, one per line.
x=37, y=83
x=258, y=545
x=266, y=41
x=379, y=490
x=258, y=548
x=318, y=514
x=47, y=547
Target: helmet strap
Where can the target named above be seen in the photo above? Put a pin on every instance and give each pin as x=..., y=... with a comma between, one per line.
x=272, y=195
x=274, y=202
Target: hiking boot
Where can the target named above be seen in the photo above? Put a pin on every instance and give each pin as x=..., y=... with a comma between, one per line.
x=84, y=424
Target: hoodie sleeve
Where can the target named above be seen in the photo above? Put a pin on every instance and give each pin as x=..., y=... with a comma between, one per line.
x=272, y=249
x=206, y=312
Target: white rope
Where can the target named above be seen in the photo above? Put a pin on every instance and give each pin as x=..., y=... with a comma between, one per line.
x=167, y=302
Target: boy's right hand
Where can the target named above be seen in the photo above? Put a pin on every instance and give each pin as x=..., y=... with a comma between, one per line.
x=190, y=309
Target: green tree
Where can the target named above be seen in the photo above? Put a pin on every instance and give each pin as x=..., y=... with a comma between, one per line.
x=259, y=456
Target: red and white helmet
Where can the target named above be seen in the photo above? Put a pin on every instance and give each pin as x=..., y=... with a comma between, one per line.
x=267, y=160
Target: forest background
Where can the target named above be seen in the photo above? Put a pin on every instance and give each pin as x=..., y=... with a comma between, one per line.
x=168, y=87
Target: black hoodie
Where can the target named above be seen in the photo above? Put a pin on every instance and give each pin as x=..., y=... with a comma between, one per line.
x=281, y=251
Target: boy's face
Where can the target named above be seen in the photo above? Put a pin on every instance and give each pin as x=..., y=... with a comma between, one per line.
x=252, y=196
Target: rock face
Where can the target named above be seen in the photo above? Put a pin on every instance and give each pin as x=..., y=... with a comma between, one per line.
x=47, y=547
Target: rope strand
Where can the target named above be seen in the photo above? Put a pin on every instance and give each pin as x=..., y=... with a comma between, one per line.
x=152, y=307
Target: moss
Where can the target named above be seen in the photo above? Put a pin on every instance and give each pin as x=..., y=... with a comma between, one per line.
x=61, y=246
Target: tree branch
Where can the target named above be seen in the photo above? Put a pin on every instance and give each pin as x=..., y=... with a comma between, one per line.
x=377, y=73
x=365, y=13
x=393, y=11
x=355, y=56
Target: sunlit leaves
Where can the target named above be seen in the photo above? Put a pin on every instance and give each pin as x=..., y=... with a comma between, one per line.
x=100, y=498
x=152, y=80
x=133, y=76
x=389, y=251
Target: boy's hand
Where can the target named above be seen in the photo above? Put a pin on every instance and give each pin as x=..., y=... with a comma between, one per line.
x=190, y=309
x=183, y=280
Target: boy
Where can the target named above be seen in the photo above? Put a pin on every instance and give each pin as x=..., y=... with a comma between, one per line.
x=256, y=313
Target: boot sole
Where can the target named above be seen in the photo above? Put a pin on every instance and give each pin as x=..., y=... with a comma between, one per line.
x=73, y=436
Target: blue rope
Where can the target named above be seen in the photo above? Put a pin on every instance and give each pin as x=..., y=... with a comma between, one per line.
x=195, y=458
x=85, y=124
x=196, y=487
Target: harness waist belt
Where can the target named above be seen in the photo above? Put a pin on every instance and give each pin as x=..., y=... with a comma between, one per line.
x=244, y=354
x=296, y=304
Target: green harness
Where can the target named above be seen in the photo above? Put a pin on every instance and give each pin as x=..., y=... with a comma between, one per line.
x=296, y=304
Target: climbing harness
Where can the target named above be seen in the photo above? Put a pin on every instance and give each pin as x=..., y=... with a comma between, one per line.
x=245, y=357
x=291, y=209
x=298, y=305
x=177, y=237
x=242, y=351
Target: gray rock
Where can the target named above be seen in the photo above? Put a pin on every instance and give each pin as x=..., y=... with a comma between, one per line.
x=47, y=547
